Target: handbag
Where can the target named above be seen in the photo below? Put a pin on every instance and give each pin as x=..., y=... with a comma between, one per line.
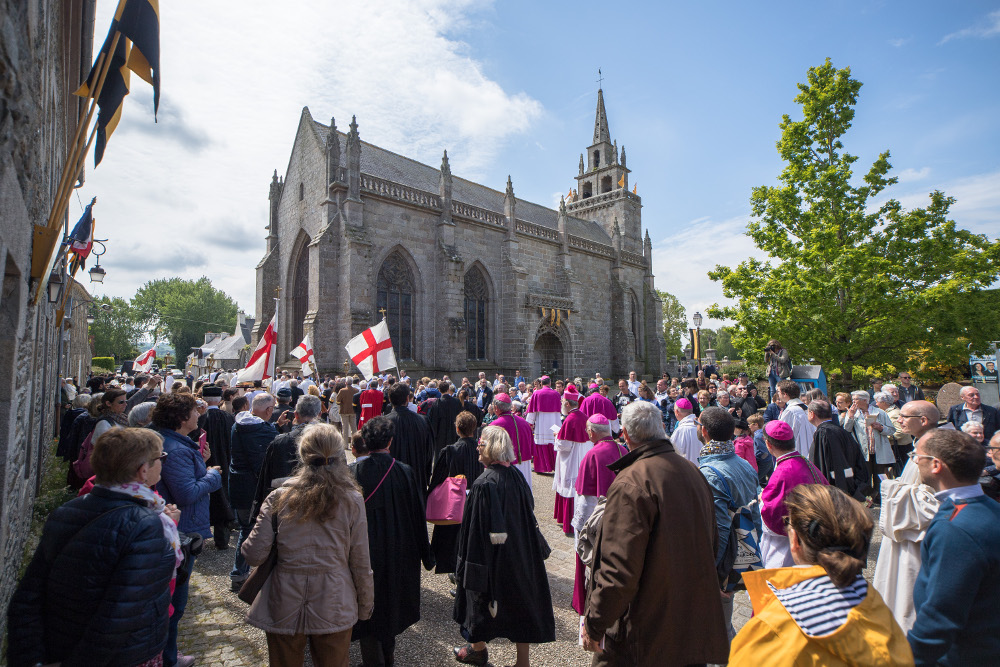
x=446, y=503
x=255, y=582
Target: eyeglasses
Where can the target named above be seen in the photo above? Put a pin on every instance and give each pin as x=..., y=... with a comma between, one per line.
x=902, y=416
x=914, y=456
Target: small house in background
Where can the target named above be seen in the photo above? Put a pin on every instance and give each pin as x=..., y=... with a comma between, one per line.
x=222, y=351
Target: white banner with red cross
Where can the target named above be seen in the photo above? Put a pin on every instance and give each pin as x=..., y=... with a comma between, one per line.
x=261, y=363
x=144, y=361
x=304, y=353
x=371, y=351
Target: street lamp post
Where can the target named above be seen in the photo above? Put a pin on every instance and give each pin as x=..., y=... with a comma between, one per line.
x=97, y=273
x=697, y=334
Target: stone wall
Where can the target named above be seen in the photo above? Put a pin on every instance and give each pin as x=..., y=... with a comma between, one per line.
x=347, y=239
x=40, y=65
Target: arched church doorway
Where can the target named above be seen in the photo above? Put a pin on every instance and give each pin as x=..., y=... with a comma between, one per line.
x=548, y=356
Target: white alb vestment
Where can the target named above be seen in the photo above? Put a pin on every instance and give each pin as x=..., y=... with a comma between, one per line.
x=907, y=509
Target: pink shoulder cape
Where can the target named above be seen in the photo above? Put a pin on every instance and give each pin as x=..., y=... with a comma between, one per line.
x=545, y=400
x=594, y=477
x=574, y=427
x=597, y=404
x=521, y=436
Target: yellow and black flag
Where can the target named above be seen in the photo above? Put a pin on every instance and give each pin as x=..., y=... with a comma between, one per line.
x=112, y=95
x=139, y=21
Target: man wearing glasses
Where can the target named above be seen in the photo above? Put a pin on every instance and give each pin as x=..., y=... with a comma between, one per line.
x=908, y=506
x=959, y=582
x=907, y=390
x=972, y=409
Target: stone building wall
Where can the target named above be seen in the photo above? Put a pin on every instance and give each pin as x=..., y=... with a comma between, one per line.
x=606, y=318
x=44, y=52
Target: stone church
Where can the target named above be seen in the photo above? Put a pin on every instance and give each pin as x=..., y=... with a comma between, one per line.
x=468, y=278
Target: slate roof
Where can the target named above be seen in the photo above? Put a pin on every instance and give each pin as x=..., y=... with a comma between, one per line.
x=390, y=166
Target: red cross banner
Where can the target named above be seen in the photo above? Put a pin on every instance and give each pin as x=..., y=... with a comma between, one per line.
x=304, y=353
x=261, y=363
x=144, y=361
x=371, y=351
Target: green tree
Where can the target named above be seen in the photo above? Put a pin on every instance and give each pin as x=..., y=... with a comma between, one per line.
x=850, y=281
x=116, y=329
x=675, y=326
x=182, y=311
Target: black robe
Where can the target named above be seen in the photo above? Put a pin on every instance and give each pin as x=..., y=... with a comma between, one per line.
x=280, y=460
x=397, y=542
x=500, y=508
x=838, y=456
x=413, y=443
x=218, y=427
x=461, y=458
x=441, y=418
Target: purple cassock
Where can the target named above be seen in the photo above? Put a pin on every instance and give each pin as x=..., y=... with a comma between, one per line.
x=593, y=479
x=572, y=442
x=544, y=411
x=595, y=404
x=520, y=435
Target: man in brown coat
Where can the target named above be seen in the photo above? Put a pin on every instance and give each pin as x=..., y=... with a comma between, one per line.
x=654, y=596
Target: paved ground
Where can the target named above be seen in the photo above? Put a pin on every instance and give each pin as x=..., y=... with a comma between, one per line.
x=213, y=628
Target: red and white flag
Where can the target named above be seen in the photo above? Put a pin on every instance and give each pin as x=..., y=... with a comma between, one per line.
x=144, y=361
x=304, y=353
x=261, y=363
x=371, y=351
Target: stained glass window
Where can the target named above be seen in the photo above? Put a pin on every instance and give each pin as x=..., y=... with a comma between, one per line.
x=394, y=294
x=476, y=314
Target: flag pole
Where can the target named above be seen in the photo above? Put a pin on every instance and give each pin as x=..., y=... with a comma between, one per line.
x=76, y=157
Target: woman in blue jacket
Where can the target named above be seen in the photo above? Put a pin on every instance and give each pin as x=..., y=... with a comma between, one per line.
x=186, y=482
x=97, y=589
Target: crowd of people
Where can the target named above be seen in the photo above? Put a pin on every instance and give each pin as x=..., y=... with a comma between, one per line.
x=676, y=493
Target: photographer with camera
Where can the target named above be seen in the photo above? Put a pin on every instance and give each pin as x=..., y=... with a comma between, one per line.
x=779, y=365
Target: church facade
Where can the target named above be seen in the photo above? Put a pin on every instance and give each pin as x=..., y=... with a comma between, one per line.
x=468, y=278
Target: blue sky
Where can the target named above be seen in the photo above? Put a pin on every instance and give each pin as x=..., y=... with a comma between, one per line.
x=694, y=91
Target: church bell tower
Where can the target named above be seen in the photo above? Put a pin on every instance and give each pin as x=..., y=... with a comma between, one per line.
x=602, y=193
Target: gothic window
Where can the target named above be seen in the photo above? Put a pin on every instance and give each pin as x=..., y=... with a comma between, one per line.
x=606, y=184
x=477, y=314
x=597, y=159
x=588, y=189
x=394, y=295
x=300, y=294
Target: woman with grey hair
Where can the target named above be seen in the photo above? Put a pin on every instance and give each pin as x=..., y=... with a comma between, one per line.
x=873, y=430
x=503, y=591
x=141, y=415
x=975, y=429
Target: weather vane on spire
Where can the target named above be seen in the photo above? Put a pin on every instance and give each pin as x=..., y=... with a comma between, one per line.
x=600, y=78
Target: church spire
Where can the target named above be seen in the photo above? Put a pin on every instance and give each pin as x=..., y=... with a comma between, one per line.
x=601, y=132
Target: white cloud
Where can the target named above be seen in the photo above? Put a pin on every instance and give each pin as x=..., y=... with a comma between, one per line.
x=986, y=27
x=910, y=174
x=898, y=41
x=977, y=201
x=682, y=261
x=190, y=192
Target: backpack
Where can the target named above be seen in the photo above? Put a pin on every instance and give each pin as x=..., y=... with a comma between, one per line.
x=743, y=550
x=81, y=466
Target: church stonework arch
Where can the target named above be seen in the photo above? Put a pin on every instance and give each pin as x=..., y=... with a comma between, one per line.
x=298, y=289
x=552, y=351
x=635, y=321
x=398, y=293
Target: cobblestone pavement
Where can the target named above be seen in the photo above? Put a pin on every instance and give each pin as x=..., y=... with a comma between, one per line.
x=213, y=628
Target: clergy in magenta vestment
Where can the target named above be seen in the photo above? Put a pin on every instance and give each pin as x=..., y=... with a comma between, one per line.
x=596, y=404
x=571, y=443
x=519, y=431
x=592, y=481
x=544, y=412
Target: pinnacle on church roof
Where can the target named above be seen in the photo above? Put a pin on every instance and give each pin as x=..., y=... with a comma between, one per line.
x=510, y=186
x=445, y=165
x=601, y=132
